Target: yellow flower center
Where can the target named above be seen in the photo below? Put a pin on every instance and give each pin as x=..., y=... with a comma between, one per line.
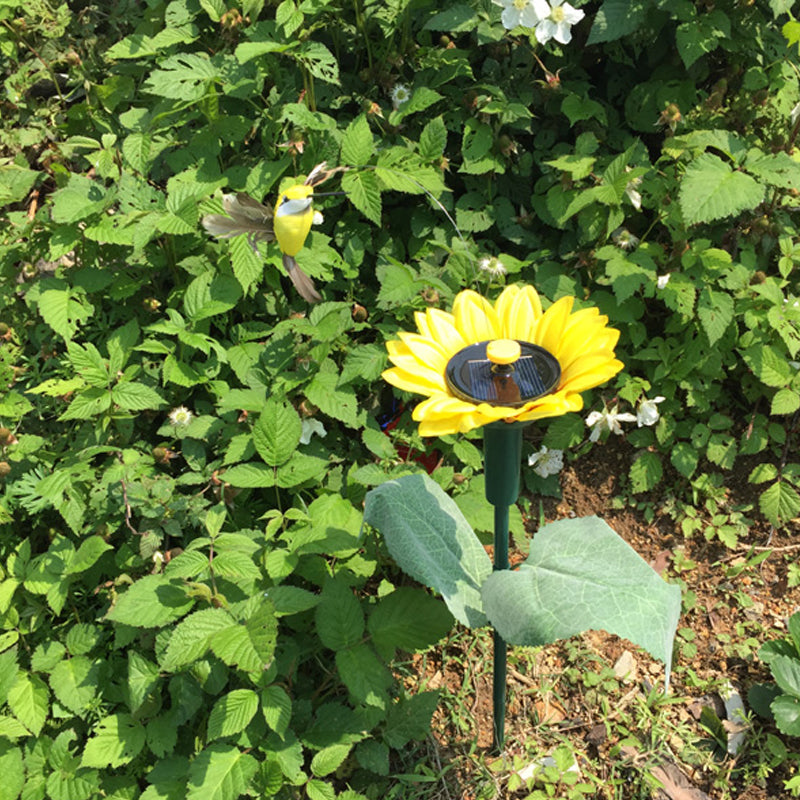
x=557, y=14
x=520, y=4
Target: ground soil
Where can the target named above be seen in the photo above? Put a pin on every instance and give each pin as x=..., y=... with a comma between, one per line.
x=733, y=613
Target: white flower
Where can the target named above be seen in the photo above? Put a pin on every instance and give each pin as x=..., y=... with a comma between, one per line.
x=557, y=22
x=608, y=420
x=631, y=189
x=624, y=239
x=525, y=13
x=494, y=266
x=310, y=427
x=400, y=94
x=647, y=413
x=546, y=462
x=662, y=281
x=180, y=416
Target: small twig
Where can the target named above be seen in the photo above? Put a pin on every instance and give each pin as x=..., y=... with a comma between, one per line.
x=128, y=512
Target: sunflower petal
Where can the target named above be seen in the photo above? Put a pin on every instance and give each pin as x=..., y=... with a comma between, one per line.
x=428, y=352
x=441, y=327
x=589, y=371
x=476, y=320
x=519, y=311
x=414, y=380
x=551, y=325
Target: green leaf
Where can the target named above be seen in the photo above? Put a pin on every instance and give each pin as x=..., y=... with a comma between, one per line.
x=581, y=576
x=615, y=19
x=684, y=458
x=785, y=401
x=232, y=713
x=116, y=740
x=318, y=60
x=364, y=674
x=250, y=646
x=326, y=392
x=63, y=311
x=701, y=36
x=292, y=599
x=357, y=144
x=363, y=191
x=329, y=759
x=75, y=683
x=15, y=183
x=136, y=397
x=711, y=189
x=210, y=294
x=320, y=790
x=277, y=432
x=250, y=476
x=646, y=472
x=769, y=367
x=220, y=772
x=143, y=679
x=779, y=503
x=190, y=639
x=184, y=77
x=786, y=671
x=416, y=518
x=79, y=199
x=247, y=265
x=410, y=718
x=29, y=700
x=433, y=140
x=151, y=602
x=786, y=710
x=408, y=619
x=715, y=310
x=339, y=619
x=276, y=706
x=12, y=769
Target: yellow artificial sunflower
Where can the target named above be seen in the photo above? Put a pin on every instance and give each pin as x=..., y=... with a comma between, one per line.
x=580, y=342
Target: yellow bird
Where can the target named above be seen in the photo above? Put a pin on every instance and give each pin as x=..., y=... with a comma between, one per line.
x=290, y=224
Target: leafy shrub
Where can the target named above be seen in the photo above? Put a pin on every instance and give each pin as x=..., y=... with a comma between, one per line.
x=188, y=606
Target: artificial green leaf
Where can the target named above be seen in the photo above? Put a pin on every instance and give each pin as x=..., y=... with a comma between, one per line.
x=416, y=518
x=581, y=576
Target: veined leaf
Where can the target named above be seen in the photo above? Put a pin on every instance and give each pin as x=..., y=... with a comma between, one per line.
x=220, y=772
x=116, y=740
x=29, y=700
x=232, y=713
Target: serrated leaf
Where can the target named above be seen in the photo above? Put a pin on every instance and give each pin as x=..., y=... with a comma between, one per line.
x=365, y=676
x=63, y=311
x=247, y=265
x=786, y=710
x=143, y=679
x=318, y=60
x=615, y=19
x=779, y=503
x=232, y=713
x=151, y=602
x=416, y=518
x=785, y=401
x=410, y=718
x=184, y=77
x=276, y=707
x=363, y=191
x=250, y=476
x=339, y=619
x=12, y=769
x=591, y=579
x=29, y=700
x=770, y=368
x=136, y=397
x=715, y=310
x=75, y=683
x=684, y=458
x=329, y=759
x=408, y=619
x=116, y=740
x=646, y=472
x=250, y=646
x=711, y=189
x=190, y=639
x=433, y=139
x=330, y=397
x=220, y=772
x=277, y=432
x=357, y=143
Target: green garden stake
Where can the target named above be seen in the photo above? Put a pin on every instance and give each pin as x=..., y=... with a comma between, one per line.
x=505, y=373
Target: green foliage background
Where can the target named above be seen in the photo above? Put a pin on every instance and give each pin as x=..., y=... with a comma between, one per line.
x=195, y=611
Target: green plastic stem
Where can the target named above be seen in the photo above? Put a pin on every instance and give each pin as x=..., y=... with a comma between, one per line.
x=502, y=451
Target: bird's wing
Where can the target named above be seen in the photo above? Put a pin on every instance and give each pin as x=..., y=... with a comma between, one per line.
x=245, y=215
